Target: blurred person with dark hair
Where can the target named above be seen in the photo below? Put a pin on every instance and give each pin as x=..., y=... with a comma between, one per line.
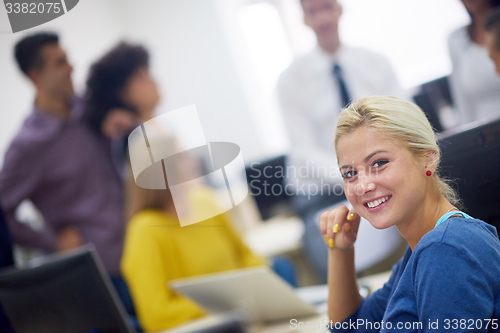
x=492, y=28
x=61, y=165
x=312, y=91
x=120, y=80
x=119, y=83
x=474, y=85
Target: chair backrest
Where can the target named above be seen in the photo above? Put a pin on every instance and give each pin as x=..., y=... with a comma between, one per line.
x=432, y=97
x=266, y=182
x=62, y=293
x=471, y=159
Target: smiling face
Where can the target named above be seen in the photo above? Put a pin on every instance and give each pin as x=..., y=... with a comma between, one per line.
x=382, y=180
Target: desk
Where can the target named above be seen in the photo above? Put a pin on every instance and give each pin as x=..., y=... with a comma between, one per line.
x=277, y=236
x=374, y=282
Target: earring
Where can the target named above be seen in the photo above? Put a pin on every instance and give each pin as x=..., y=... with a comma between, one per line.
x=428, y=173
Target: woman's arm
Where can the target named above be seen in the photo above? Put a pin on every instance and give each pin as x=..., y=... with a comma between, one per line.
x=340, y=235
x=344, y=300
x=343, y=297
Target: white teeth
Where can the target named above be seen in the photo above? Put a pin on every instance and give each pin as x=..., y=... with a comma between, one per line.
x=375, y=203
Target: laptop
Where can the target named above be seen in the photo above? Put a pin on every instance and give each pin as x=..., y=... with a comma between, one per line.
x=62, y=293
x=257, y=293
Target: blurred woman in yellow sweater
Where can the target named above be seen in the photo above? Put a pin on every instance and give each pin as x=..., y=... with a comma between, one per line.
x=157, y=249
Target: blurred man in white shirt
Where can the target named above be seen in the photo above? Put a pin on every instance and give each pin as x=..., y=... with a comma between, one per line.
x=312, y=92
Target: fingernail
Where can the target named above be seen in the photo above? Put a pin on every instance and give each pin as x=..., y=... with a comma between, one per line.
x=335, y=228
x=350, y=217
x=330, y=242
x=347, y=228
x=326, y=237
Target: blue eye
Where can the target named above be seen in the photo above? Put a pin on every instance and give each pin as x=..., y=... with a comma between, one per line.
x=349, y=174
x=379, y=163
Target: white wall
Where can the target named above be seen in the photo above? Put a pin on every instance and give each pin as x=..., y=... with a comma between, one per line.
x=412, y=34
x=194, y=64
x=191, y=59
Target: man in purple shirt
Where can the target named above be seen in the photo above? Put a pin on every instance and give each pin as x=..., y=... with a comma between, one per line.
x=61, y=165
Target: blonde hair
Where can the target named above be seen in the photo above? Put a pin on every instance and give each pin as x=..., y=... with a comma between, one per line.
x=138, y=198
x=402, y=121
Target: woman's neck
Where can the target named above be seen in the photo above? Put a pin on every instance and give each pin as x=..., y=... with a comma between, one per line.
x=170, y=210
x=424, y=219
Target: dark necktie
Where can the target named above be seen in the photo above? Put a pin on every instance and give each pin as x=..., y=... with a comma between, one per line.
x=344, y=93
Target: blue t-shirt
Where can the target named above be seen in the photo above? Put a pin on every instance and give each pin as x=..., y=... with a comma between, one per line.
x=450, y=283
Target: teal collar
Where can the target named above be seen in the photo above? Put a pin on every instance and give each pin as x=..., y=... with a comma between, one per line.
x=447, y=215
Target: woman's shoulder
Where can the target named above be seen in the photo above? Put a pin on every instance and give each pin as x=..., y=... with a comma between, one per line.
x=459, y=249
x=470, y=237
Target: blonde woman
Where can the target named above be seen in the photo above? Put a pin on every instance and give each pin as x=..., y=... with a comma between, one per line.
x=157, y=249
x=449, y=277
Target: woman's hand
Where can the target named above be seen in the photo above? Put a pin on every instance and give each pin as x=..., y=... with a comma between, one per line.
x=340, y=227
x=118, y=123
x=69, y=238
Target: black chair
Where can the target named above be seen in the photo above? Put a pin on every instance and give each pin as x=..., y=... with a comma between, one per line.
x=262, y=178
x=62, y=293
x=6, y=259
x=471, y=159
x=432, y=97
